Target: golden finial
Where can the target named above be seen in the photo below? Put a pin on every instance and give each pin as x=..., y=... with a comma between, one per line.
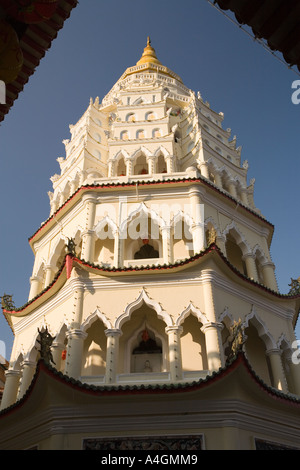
x=149, y=54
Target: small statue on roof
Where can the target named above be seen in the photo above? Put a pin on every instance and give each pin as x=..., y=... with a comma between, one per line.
x=70, y=247
x=294, y=286
x=237, y=339
x=46, y=341
x=7, y=302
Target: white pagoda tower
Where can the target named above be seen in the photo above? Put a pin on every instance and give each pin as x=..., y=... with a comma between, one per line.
x=154, y=286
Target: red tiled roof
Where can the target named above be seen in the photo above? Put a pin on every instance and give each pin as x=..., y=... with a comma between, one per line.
x=35, y=40
x=277, y=22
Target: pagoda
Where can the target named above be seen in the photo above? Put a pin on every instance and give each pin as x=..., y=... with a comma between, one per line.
x=154, y=318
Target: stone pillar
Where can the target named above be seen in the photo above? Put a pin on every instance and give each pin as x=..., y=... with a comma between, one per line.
x=35, y=287
x=175, y=359
x=232, y=188
x=269, y=276
x=112, y=355
x=204, y=170
x=251, y=266
x=76, y=338
x=166, y=242
x=197, y=211
x=279, y=379
x=215, y=356
x=129, y=168
x=221, y=243
x=88, y=245
x=75, y=335
x=49, y=275
x=117, y=261
x=170, y=161
x=28, y=370
x=295, y=376
x=11, y=388
x=151, y=164
x=88, y=236
x=111, y=167
x=218, y=180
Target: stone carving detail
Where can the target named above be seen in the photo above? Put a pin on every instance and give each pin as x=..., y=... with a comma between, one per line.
x=155, y=443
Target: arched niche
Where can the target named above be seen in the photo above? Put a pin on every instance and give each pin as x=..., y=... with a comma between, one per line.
x=143, y=345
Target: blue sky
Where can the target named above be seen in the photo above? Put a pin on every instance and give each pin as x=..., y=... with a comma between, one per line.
x=100, y=40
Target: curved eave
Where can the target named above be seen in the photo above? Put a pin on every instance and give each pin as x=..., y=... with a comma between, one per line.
x=239, y=371
x=35, y=41
x=104, y=187
x=194, y=261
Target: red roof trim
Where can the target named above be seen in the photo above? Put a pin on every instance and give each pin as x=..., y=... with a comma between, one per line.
x=213, y=248
x=145, y=389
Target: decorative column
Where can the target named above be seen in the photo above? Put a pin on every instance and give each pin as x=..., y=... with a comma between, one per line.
x=35, y=286
x=218, y=180
x=295, y=375
x=28, y=368
x=215, y=356
x=232, y=188
x=88, y=236
x=175, y=360
x=170, y=161
x=204, y=170
x=221, y=243
x=251, y=266
x=279, y=379
x=269, y=275
x=197, y=212
x=11, y=388
x=128, y=164
x=75, y=335
x=166, y=242
x=49, y=275
x=111, y=167
x=112, y=355
x=151, y=164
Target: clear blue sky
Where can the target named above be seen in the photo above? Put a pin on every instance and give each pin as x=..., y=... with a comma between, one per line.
x=98, y=42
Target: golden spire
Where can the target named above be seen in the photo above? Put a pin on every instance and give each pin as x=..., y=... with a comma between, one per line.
x=149, y=55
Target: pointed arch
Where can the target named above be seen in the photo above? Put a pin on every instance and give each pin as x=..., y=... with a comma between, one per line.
x=141, y=209
x=143, y=298
x=238, y=236
x=261, y=328
x=191, y=310
x=96, y=315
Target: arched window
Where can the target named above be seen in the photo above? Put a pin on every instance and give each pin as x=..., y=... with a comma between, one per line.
x=235, y=254
x=156, y=133
x=141, y=166
x=140, y=134
x=130, y=117
x=150, y=116
x=124, y=135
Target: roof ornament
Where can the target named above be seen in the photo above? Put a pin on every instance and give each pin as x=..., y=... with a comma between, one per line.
x=7, y=302
x=236, y=340
x=45, y=342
